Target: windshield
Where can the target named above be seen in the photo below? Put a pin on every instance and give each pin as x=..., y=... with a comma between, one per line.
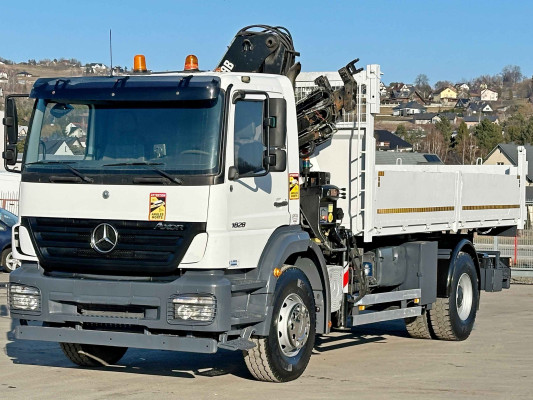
x=180, y=137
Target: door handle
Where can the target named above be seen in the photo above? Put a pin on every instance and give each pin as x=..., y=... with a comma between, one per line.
x=281, y=203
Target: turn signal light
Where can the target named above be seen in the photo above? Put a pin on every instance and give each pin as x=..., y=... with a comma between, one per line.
x=139, y=63
x=277, y=272
x=191, y=63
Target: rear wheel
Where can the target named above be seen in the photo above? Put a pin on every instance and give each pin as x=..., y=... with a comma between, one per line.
x=285, y=353
x=419, y=327
x=8, y=262
x=453, y=318
x=91, y=355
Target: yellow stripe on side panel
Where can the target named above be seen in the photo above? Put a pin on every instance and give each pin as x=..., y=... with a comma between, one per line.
x=413, y=210
x=491, y=207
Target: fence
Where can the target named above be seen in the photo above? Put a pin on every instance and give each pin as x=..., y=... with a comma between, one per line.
x=10, y=201
x=519, y=248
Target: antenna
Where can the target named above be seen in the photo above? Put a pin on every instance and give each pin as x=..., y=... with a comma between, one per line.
x=111, y=52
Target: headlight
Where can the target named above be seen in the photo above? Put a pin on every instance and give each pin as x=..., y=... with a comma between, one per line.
x=200, y=308
x=26, y=298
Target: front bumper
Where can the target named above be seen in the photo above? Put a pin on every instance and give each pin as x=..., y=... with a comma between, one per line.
x=128, y=313
x=122, y=339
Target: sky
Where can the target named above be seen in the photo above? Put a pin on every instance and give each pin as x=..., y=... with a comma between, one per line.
x=446, y=40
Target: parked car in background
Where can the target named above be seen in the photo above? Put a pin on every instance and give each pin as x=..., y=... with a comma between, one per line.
x=7, y=220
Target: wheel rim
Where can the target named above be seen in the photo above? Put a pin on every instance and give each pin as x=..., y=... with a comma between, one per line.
x=464, y=296
x=294, y=324
x=12, y=263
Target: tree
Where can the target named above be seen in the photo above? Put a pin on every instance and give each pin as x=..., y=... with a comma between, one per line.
x=442, y=84
x=488, y=136
x=434, y=143
x=422, y=85
x=445, y=129
x=515, y=129
x=462, y=141
x=401, y=131
x=511, y=75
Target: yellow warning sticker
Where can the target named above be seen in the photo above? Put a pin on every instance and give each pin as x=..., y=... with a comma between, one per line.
x=158, y=207
x=294, y=187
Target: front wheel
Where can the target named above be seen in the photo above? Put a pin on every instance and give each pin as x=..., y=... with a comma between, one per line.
x=452, y=318
x=92, y=355
x=285, y=353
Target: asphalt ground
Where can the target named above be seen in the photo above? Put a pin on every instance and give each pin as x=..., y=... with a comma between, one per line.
x=375, y=361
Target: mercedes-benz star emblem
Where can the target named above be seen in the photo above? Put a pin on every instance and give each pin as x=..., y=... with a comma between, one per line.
x=104, y=238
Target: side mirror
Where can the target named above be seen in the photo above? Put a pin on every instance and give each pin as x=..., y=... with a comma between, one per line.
x=14, y=115
x=10, y=154
x=10, y=121
x=277, y=122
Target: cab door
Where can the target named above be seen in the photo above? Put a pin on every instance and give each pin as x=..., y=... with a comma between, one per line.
x=258, y=197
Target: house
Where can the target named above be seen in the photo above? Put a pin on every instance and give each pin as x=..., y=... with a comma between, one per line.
x=489, y=95
x=118, y=70
x=388, y=141
x=74, y=130
x=463, y=90
x=462, y=103
x=426, y=118
x=62, y=146
x=24, y=74
x=23, y=131
x=478, y=107
x=401, y=92
x=475, y=96
x=383, y=89
x=475, y=120
x=462, y=87
x=409, y=108
x=3, y=75
x=95, y=68
x=445, y=95
x=406, y=158
x=452, y=117
x=507, y=154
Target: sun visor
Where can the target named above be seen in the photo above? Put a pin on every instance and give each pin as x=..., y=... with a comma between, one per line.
x=128, y=88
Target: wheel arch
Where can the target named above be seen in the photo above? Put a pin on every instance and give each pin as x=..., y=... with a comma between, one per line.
x=447, y=267
x=290, y=245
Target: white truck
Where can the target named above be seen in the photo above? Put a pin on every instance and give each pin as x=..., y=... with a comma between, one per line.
x=207, y=210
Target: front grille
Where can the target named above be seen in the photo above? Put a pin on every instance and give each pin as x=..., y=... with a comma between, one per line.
x=106, y=310
x=64, y=244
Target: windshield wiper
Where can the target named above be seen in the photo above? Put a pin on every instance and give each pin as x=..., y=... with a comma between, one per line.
x=70, y=168
x=152, y=166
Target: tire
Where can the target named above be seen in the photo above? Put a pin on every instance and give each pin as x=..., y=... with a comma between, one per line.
x=80, y=354
x=8, y=262
x=453, y=318
x=419, y=327
x=285, y=353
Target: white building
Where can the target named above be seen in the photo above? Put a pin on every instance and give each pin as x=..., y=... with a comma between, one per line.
x=489, y=95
